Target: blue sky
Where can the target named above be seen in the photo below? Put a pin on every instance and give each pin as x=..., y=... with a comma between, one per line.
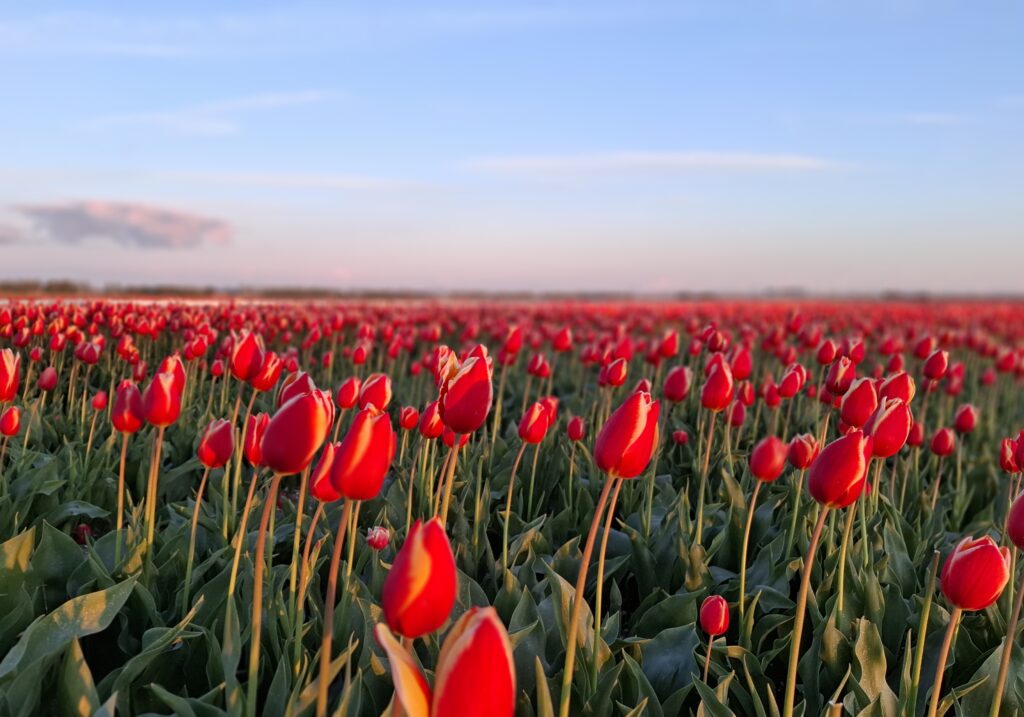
x=642, y=146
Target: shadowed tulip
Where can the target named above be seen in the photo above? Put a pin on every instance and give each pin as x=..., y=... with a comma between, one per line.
x=217, y=444
x=419, y=591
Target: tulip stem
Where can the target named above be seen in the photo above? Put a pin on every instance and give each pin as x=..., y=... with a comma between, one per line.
x=328, y=629
x=922, y=634
x=600, y=578
x=152, y=489
x=699, y=533
x=192, y=542
x=269, y=506
x=743, y=553
x=300, y=606
x=801, y=610
x=843, y=548
x=947, y=641
x=565, y=696
x=293, y=576
x=1008, y=645
x=791, y=537
x=508, y=509
x=707, y=656
x=449, y=481
x=533, y=477
x=119, y=519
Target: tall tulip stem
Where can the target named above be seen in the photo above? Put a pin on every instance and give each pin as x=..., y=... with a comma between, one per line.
x=801, y=610
x=743, y=552
x=565, y=696
x=269, y=505
x=119, y=518
x=332, y=592
x=192, y=543
x=508, y=509
x=453, y=457
x=599, y=588
x=947, y=641
x=699, y=534
x=1008, y=644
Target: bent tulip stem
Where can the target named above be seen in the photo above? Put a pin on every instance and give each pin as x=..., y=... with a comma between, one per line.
x=269, y=506
x=844, y=547
x=192, y=542
x=801, y=610
x=947, y=641
x=610, y=516
x=453, y=458
x=565, y=696
x=743, y=552
x=707, y=658
x=699, y=533
x=508, y=509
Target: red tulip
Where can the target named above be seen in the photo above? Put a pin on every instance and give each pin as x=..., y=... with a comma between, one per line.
x=615, y=374
x=718, y=389
x=936, y=365
x=431, y=426
x=803, y=449
x=627, y=440
x=465, y=396
x=419, y=591
x=768, y=459
x=965, y=418
x=296, y=384
x=378, y=537
x=826, y=353
x=246, y=356
x=296, y=431
x=943, y=442
x=838, y=474
x=99, y=401
x=858, y=403
x=475, y=674
x=677, y=384
x=127, y=414
x=252, y=440
x=899, y=385
x=376, y=391
x=269, y=371
x=975, y=573
x=576, y=429
x=10, y=421
x=217, y=444
x=364, y=456
x=889, y=427
x=10, y=375
x=534, y=424
x=1015, y=522
x=47, y=380
x=714, y=615
x=680, y=437
x=320, y=484
x=408, y=418
x=1007, y=458
x=161, y=402
x=840, y=376
x=348, y=393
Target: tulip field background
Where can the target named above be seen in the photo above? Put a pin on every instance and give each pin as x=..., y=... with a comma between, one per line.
x=217, y=592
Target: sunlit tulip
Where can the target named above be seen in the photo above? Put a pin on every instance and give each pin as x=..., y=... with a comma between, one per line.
x=900, y=385
x=375, y=391
x=246, y=356
x=717, y=392
x=889, y=427
x=320, y=484
x=936, y=365
x=269, y=371
x=252, y=441
x=363, y=457
x=10, y=421
x=858, y=403
x=430, y=425
x=838, y=474
x=161, y=401
x=296, y=431
x=10, y=374
x=803, y=449
x=840, y=376
x=1007, y=457
x=714, y=615
x=419, y=591
x=348, y=393
x=677, y=384
x=534, y=424
x=127, y=413
x=626, y=443
x=408, y=418
x=465, y=396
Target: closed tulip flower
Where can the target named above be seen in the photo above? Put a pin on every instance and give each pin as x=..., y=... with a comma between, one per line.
x=296, y=384
x=936, y=365
x=534, y=424
x=943, y=442
x=576, y=429
x=408, y=418
x=916, y=437
x=217, y=444
x=975, y=573
x=10, y=374
x=1015, y=522
x=419, y=591
x=47, y=380
x=10, y=422
x=99, y=401
x=840, y=376
x=320, y=484
x=626, y=443
x=269, y=371
x=838, y=474
x=376, y=391
x=378, y=537
x=718, y=389
x=296, y=431
x=900, y=385
x=127, y=415
x=858, y=403
x=252, y=439
x=475, y=674
x=465, y=396
x=714, y=615
x=680, y=437
x=246, y=356
x=889, y=427
x=364, y=455
x=677, y=384
x=965, y=419
x=348, y=393
x=768, y=459
x=431, y=426
x=1007, y=456
x=803, y=449
x=161, y=402
x=615, y=374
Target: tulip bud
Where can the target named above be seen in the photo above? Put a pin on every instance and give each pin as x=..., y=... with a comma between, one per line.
x=965, y=418
x=534, y=424
x=47, y=380
x=943, y=442
x=217, y=444
x=768, y=459
x=680, y=437
x=936, y=365
x=859, y=402
x=252, y=440
x=127, y=414
x=889, y=427
x=10, y=421
x=364, y=456
x=348, y=393
x=718, y=389
x=161, y=402
x=975, y=573
x=1015, y=522
x=431, y=426
x=626, y=443
x=320, y=484
x=246, y=356
x=916, y=437
x=840, y=376
x=419, y=591
x=99, y=401
x=10, y=374
x=296, y=431
x=576, y=428
x=900, y=385
x=465, y=397
x=803, y=449
x=839, y=472
x=378, y=537
x=1007, y=457
x=408, y=418
x=714, y=615
x=375, y=391
x=677, y=384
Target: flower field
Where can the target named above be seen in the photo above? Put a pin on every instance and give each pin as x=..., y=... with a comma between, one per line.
x=486, y=508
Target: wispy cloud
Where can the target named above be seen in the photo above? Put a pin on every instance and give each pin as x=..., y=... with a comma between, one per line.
x=294, y=180
x=130, y=224
x=632, y=163
x=213, y=118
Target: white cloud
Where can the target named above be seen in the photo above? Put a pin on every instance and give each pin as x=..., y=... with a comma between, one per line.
x=625, y=163
x=212, y=118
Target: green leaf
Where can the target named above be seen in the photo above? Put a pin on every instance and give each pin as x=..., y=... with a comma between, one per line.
x=77, y=692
